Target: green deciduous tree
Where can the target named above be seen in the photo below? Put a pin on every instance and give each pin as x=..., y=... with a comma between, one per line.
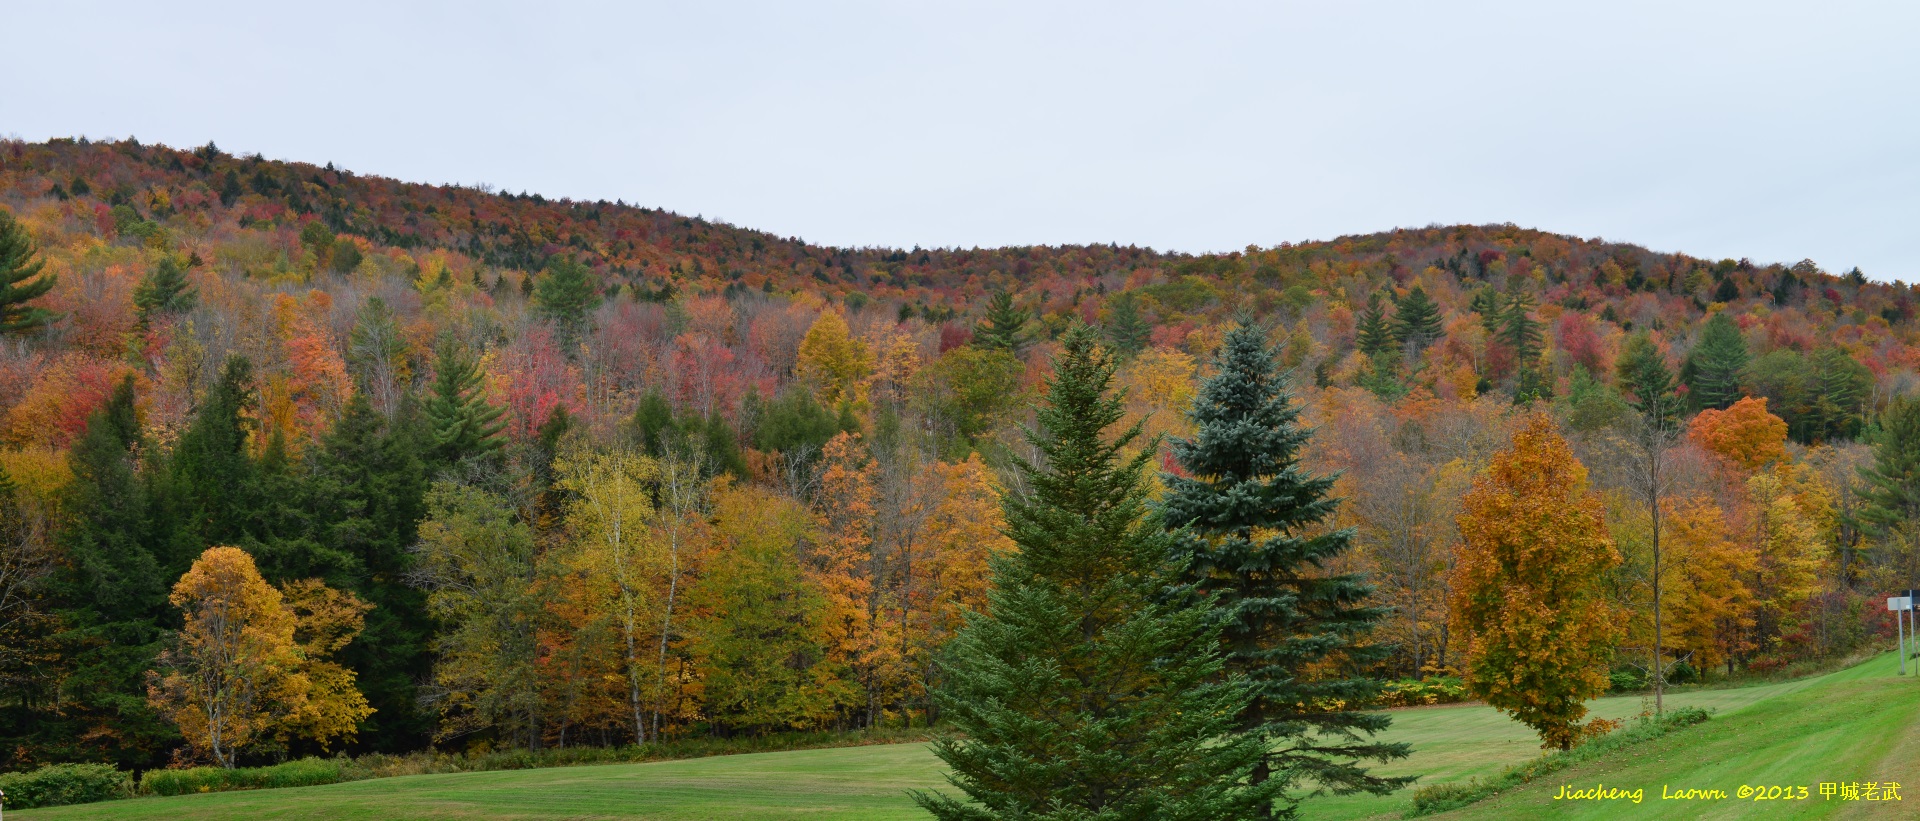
x=476, y=562
x=1088, y=690
x=1251, y=515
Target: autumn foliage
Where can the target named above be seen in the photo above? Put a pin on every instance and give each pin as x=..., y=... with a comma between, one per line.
x=1528, y=589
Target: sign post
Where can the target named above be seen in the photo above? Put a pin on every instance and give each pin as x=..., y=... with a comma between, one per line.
x=1913, y=623
x=1900, y=607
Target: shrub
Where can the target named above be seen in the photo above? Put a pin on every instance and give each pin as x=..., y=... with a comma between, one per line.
x=59, y=784
x=306, y=772
x=1682, y=673
x=1626, y=680
x=1431, y=690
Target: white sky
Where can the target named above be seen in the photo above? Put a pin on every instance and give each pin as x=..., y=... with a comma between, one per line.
x=1776, y=131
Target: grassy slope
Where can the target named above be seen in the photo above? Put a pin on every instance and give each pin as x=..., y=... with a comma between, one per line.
x=1858, y=724
x=1843, y=726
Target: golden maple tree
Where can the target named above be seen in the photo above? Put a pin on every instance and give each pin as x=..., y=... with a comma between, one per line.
x=1528, y=588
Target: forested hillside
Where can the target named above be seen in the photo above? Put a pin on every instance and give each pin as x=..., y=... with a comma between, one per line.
x=509, y=471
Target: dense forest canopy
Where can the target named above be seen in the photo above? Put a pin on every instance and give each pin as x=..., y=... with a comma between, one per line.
x=503, y=470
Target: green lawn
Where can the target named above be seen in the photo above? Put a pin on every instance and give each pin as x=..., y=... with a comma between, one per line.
x=1854, y=725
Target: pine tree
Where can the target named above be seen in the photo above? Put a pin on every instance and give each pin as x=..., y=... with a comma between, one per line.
x=461, y=424
x=18, y=285
x=1416, y=321
x=230, y=189
x=1524, y=335
x=1375, y=334
x=213, y=494
x=1129, y=331
x=164, y=290
x=1839, y=387
x=565, y=296
x=1087, y=690
x=1519, y=331
x=1004, y=327
x=1893, y=482
x=110, y=590
x=1712, y=370
x=1486, y=303
x=1648, y=382
x=366, y=488
x=1252, y=517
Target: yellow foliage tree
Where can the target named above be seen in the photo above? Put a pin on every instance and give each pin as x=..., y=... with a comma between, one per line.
x=862, y=632
x=1707, y=604
x=964, y=529
x=1790, y=556
x=616, y=565
x=1528, y=588
x=833, y=362
x=250, y=663
x=757, y=623
x=1159, y=389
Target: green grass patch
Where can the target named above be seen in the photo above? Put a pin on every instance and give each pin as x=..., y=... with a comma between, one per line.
x=1847, y=725
x=1443, y=797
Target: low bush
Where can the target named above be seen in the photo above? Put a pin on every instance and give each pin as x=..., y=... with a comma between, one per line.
x=1626, y=681
x=1430, y=690
x=59, y=784
x=306, y=772
x=1443, y=797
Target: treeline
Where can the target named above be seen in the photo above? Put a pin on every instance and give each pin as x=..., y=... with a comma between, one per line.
x=600, y=487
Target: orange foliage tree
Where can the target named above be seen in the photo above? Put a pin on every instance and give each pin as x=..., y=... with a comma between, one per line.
x=1707, y=603
x=1745, y=434
x=1528, y=588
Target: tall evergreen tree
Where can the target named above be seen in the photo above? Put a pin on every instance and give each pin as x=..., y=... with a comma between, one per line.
x=1519, y=331
x=1486, y=303
x=1839, y=388
x=164, y=290
x=18, y=285
x=1526, y=338
x=1129, y=330
x=1893, y=481
x=1712, y=370
x=212, y=494
x=111, y=593
x=1647, y=381
x=1375, y=333
x=1005, y=325
x=1416, y=321
x=461, y=424
x=1252, y=516
x=565, y=297
x=1091, y=687
x=366, y=488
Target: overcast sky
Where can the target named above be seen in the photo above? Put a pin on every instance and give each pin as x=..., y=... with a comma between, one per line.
x=1776, y=131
